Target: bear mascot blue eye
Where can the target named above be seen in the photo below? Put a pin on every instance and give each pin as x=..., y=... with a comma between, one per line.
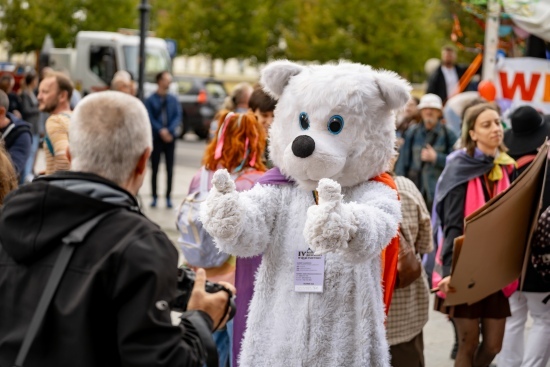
x=304, y=121
x=335, y=124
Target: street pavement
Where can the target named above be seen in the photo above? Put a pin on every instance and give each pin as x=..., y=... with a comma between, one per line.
x=438, y=333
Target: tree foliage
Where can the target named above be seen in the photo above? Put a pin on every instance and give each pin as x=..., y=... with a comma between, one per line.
x=25, y=23
x=396, y=34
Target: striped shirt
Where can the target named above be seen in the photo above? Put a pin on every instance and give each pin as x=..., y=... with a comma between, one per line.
x=409, y=307
x=57, y=130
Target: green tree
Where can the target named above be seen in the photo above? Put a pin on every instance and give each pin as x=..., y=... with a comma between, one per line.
x=395, y=34
x=224, y=28
x=25, y=23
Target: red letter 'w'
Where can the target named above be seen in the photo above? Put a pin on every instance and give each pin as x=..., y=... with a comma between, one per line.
x=519, y=81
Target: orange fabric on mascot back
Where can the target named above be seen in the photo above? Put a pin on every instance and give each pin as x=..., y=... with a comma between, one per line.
x=390, y=253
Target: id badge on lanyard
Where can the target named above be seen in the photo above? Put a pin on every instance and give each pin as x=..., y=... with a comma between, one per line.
x=309, y=269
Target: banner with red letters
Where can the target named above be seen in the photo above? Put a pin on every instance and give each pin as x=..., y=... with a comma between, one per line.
x=524, y=80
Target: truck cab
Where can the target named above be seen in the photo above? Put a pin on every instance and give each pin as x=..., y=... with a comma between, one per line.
x=99, y=55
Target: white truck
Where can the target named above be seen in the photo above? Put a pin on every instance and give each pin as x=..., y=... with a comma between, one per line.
x=99, y=55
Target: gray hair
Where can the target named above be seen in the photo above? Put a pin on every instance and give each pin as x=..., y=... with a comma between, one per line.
x=108, y=133
x=4, y=100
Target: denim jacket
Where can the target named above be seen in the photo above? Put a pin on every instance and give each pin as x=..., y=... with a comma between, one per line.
x=425, y=174
x=173, y=112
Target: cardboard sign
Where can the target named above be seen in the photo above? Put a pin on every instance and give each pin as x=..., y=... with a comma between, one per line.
x=497, y=237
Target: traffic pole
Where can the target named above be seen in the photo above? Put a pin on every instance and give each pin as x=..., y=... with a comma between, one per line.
x=143, y=25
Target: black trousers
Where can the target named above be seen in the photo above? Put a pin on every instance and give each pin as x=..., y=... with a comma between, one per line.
x=160, y=147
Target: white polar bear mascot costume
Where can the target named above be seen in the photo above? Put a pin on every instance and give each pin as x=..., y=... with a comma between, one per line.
x=333, y=131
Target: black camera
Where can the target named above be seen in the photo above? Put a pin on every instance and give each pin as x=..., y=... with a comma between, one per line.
x=186, y=281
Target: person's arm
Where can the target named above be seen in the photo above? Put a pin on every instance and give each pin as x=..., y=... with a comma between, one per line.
x=241, y=222
x=453, y=224
x=152, y=109
x=143, y=287
x=357, y=231
x=175, y=118
x=20, y=152
x=59, y=137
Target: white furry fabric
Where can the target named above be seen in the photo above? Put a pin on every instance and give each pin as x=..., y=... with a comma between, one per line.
x=344, y=326
x=355, y=219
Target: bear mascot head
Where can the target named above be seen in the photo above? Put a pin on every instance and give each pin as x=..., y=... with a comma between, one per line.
x=332, y=121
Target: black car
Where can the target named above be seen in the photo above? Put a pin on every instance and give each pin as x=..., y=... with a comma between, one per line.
x=200, y=98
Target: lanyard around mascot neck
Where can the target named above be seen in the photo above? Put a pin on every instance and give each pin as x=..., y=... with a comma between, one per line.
x=315, y=197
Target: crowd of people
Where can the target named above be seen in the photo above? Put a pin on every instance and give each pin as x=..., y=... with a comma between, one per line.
x=96, y=156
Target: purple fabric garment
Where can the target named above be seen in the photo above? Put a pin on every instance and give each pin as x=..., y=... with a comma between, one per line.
x=246, y=273
x=274, y=177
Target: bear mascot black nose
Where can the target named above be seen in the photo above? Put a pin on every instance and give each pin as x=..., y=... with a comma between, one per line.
x=303, y=146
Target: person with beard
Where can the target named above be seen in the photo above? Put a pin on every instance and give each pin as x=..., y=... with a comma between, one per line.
x=426, y=146
x=54, y=96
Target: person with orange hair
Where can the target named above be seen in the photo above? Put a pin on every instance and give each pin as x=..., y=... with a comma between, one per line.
x=238, y=146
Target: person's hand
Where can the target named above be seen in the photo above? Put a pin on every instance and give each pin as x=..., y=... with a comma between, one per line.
x=428, y=154
x=444, y=285
x=214, y=304
x=165, y=135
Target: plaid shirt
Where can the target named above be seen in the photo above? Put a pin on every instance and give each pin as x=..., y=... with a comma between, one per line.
x=409, y=307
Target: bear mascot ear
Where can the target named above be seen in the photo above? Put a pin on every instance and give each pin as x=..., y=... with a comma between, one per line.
x=276, y=76
x=394, y=89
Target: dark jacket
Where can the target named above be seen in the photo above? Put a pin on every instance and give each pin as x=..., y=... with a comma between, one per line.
x=437, y=85
x=17, y=138
x=154, y=106
x=107, y=310
x=30, y=111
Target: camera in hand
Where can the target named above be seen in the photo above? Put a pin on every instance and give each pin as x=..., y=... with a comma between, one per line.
x=186, y=281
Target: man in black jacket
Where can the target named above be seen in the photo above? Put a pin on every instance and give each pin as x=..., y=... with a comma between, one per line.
x=444, y=80
x=112, y=305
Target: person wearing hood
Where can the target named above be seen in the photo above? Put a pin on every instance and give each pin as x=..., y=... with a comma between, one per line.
x=16, y=135
x=472, y=176
x=111, y=307
x=529, y=131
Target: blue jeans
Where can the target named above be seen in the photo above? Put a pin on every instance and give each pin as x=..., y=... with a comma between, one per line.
x=224, y=343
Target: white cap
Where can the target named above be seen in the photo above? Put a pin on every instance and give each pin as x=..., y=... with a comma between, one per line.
x=430, y=101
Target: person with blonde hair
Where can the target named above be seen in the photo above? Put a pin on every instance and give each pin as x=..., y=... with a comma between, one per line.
x=8, y=178
x=472, y=176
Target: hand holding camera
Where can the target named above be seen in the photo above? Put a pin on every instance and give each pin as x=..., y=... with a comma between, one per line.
x=196, y=293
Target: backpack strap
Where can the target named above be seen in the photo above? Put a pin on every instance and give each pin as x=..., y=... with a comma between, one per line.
x=76, y=236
